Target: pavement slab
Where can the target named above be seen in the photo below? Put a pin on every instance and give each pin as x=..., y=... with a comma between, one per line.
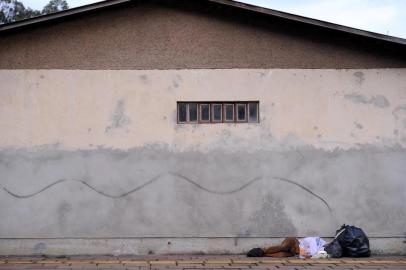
x=195, y=262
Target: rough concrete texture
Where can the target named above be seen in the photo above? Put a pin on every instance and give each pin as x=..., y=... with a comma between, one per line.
x=194, y=34
x=154, y=192
x=96, y=158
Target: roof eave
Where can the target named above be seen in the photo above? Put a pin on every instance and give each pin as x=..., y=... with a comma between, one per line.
x=311, y=21
x=61, y=14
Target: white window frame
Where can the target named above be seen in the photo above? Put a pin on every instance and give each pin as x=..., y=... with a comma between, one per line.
x=248, y=112
x=236, y=112
x=187, y=109
x=212, y=112
x=225, y=114
x=200, y=113
x=188, y=113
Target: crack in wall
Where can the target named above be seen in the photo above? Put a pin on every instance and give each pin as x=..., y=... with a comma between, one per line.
x=158, y=177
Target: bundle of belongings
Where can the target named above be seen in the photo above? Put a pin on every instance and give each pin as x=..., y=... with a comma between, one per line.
x=349, y=241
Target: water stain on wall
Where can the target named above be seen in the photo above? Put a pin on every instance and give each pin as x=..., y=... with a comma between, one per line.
x=63, y=211
x=118, y=119
x=271, y=218
x=40, y=248
x=358, y=125
x=144, y=78
x=360, y=76
x=378, y=101
x=399, y=112
x=176, y=82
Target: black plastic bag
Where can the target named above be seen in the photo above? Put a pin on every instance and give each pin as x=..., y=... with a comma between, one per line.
x=334, y=249
x=256, y=252
x=353, y=241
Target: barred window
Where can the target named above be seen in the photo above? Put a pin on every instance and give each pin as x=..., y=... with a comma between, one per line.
x=217, y=112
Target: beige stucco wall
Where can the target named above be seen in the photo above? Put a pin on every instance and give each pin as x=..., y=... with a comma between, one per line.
x=97, y=156
x=125, y=109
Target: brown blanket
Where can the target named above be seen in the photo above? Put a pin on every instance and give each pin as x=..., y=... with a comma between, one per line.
x=288, y=248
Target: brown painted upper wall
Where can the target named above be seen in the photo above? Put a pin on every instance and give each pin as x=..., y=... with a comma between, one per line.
x=194, y=34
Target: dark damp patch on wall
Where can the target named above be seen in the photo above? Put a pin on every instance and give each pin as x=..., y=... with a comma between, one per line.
x=118, y=118
x=152, y=191
x=379, y=101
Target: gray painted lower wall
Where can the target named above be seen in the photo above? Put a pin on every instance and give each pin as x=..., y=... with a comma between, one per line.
x=133, y=201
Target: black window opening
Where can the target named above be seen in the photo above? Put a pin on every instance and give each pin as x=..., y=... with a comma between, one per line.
x=187, y=113
x=204, y=113
x=241, y=112
x=218, y=112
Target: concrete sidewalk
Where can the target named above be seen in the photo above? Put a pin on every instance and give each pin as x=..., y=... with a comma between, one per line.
x=199, y=262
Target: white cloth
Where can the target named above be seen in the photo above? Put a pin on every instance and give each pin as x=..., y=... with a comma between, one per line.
x=310, y=246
